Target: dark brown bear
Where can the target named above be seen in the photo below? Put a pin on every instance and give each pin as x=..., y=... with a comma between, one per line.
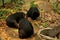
x=13, y=19
x=33, y=13
x=25, y=29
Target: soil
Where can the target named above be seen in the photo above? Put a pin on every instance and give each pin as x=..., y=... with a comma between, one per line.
x=48, y=16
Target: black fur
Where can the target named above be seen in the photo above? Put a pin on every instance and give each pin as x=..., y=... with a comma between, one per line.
x=13, y=19
x=33, y=13
x=25, y=29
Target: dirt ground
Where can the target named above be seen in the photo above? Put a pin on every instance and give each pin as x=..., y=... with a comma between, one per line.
x=49, y=17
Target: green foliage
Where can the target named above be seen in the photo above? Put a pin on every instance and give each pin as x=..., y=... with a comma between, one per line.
x=18, y=7
x=45, y=24
x=32, y=4
x=20, y=2
x=55, y=8
x=17, y=4
x=54, y=5
x=4, y=17
x=2, y=13
x=15, y=1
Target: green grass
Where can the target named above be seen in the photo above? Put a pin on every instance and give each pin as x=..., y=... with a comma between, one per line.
x=55, y=8
x=5, y=1
x=3, y=14
x=45, y=24
x=32, y=4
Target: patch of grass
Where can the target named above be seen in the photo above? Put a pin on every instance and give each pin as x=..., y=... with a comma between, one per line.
x=21, y=2
x=55, y=8
x=18, y=7
x=3, y=14
x=32, y=4
x=8, y=10
x=45, y=24
x=4, y=17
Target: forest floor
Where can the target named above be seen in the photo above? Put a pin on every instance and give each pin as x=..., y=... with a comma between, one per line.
x=48, y=19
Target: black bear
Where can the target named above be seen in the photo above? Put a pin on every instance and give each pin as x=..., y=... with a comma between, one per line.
x=33, y=13
x=25, y=29
x=13, y=19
